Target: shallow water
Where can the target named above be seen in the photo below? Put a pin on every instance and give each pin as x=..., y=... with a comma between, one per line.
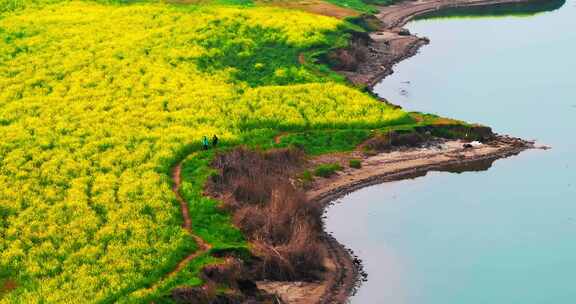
x=505, y=235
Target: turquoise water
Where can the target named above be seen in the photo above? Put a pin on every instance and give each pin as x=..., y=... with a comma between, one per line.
x=505, y=235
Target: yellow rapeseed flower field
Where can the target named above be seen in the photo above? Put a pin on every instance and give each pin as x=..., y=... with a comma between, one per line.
x=98, y=101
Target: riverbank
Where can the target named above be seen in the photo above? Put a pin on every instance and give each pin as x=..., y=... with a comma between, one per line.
x=343, y=269
x=409, y=162
x=391, y=44
x=443, y=155
x=388, y=46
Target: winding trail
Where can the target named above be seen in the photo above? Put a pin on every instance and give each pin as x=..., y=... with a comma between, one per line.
x=203, y=246
x=177, y=183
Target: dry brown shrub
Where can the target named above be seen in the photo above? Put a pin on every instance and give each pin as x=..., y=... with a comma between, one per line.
x=197, y=294
x=285, y=158
x=227, y=273
x=304, y=252
x=271, y=212
x=386, y=141
x=379, y=142
x=246, y=189
x=250, y=219
x=299, y=259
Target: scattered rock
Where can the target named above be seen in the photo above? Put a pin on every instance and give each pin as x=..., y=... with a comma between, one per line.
x=404, y=32
x=543, y=147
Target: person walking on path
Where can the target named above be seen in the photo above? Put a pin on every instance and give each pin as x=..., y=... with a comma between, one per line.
x=214, y=141
x=205, y=143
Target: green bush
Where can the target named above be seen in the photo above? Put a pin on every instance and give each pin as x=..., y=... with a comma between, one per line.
x=355, y=163
x=318, y=142
x=307, y=177
x=327, y=170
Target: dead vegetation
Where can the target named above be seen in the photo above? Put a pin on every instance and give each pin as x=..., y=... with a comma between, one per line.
x=200, y=294
x=228, y=282
x=348, y=59
x=386, y=141
x=271, y=211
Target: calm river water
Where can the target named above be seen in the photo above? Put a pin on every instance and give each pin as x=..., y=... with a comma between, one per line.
x=506, y=235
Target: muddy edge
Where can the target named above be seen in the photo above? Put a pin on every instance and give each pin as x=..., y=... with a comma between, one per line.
x=390, y=45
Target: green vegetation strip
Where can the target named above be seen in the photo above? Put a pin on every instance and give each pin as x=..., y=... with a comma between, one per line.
x=327, y=170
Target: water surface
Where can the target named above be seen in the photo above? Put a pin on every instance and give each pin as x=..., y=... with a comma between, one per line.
x=505, y=235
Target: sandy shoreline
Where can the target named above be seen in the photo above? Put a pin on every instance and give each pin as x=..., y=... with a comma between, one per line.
x=407, y=163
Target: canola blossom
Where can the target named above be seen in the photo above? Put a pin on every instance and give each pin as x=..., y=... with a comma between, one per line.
x=98, y=101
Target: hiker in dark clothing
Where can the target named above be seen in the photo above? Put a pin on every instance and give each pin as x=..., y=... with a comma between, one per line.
x=214, y=141
x=205, y=143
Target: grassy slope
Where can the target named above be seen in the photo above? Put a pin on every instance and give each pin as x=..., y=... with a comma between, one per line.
x=97, y=102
